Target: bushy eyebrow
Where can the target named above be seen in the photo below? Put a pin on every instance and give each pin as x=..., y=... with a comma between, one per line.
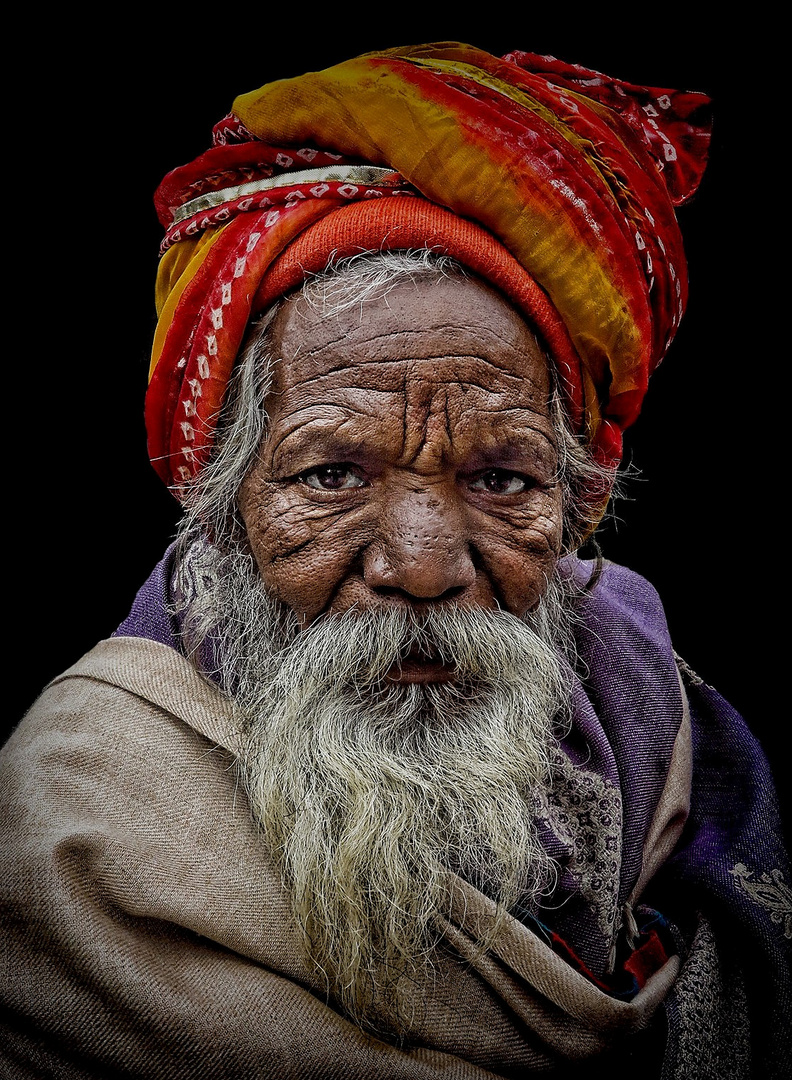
x=519, y=440
x=313, y=444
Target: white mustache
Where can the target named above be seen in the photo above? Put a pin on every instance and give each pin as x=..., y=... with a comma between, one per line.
x=481, y=646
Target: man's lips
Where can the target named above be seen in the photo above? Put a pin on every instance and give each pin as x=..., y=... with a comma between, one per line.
x=418, y=668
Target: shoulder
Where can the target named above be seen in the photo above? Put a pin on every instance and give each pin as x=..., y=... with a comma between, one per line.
x=131, y=867
x=615, y=598
x=130, y=722
x=121, y=774
x=131, y=688
x=622, y=634
x=627, y=665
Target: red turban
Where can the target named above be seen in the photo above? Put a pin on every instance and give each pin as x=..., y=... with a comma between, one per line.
x=554, y=183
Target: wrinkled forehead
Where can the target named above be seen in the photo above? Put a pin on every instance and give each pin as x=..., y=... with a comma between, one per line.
x=432, y=331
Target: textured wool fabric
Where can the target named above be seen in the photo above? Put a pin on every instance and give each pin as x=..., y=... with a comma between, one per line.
x=572, y=176
x=146, y=929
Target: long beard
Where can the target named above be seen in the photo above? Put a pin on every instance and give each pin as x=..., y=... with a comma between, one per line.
x=373, y=794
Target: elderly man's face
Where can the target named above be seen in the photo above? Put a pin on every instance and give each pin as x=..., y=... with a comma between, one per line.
x=410, y=458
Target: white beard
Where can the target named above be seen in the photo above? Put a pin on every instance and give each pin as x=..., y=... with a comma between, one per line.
x=369, y=792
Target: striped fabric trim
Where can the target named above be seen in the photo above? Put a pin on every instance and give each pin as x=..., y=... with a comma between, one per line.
x=350, y=174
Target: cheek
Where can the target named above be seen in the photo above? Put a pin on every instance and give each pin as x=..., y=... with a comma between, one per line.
x=519, y=558
x=302, y=550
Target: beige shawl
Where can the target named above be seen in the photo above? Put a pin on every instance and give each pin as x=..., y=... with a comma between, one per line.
x=146, y=933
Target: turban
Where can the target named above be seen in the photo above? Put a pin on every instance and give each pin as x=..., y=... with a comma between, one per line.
x=556, y=184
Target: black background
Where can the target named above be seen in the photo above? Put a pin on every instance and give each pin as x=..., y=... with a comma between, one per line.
x=103, y=111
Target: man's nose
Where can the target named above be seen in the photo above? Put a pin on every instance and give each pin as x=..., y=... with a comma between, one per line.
x=422, y=550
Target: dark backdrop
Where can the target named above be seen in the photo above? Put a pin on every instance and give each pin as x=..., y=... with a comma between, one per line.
x=99, y=120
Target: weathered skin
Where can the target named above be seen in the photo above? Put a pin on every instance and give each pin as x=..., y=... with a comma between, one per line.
x=410, y=457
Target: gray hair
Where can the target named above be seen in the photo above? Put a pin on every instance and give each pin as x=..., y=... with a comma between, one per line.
x=210, y=500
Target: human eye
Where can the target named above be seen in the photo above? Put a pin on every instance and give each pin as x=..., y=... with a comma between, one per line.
x=501, y=482
x=336, y=477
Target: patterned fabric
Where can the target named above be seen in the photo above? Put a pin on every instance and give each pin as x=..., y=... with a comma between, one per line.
x=733, y=862
x=565, y=180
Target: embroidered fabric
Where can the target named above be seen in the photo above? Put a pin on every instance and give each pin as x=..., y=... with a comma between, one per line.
x=584, y=813
x=707, y=1012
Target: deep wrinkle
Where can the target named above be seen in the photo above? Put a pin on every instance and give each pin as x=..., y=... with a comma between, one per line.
x=450, y=493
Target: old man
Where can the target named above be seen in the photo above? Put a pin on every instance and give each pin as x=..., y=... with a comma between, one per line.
x=379, y=778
